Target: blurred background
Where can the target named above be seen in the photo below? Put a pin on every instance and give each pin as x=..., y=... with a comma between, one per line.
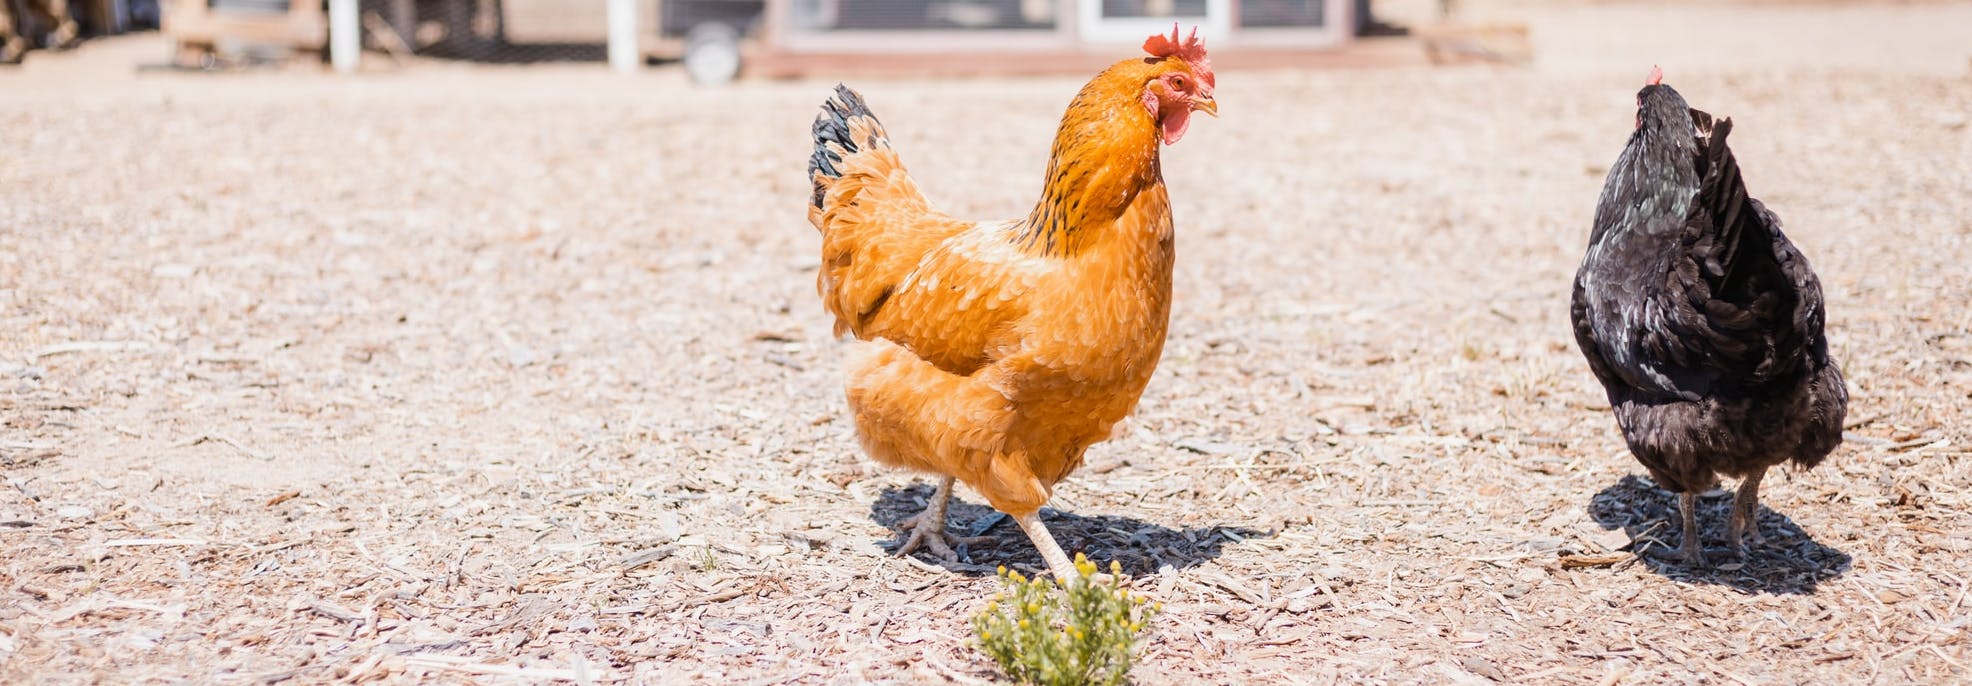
x=716, y=41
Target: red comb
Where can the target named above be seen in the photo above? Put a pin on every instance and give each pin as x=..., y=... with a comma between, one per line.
x=1191, y=50
x=1655, y=78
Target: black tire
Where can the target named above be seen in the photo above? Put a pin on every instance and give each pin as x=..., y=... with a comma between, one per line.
x=712, y=54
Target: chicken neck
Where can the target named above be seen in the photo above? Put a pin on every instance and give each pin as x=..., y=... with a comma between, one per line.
x=1105, y=153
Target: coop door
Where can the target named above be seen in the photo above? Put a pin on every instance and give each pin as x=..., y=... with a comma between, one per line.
x=1131, y=20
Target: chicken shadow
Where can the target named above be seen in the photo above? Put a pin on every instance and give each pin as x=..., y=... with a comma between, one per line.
x=1791, y=562
x=1140, y=547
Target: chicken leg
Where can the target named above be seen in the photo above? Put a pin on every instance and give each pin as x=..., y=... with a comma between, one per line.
x=1690, y=549
x=1064, y=571
x=1745, y=514
x=927, y=529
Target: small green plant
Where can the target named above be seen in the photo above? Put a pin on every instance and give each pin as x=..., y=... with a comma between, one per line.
x=707, y=561
x=1053, y=633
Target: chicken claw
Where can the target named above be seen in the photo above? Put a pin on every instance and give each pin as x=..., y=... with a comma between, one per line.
x=927, y=528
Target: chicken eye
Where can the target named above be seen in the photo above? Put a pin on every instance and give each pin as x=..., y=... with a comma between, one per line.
x=1178, y=82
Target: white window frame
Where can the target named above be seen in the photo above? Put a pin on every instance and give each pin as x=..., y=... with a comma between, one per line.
x=1090, y=24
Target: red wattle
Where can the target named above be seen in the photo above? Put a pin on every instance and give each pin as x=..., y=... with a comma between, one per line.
x=1174, y=124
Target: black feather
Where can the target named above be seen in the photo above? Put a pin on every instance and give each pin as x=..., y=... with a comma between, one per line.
x=832, y=126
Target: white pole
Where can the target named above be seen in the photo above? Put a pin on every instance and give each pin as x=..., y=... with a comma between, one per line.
x=345, y=41
x=623, y=36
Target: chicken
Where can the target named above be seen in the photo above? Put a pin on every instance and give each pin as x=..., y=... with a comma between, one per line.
x=997, y=352
x=1702, y=320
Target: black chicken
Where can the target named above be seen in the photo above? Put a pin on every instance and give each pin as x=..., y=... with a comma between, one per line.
x=1701, y=320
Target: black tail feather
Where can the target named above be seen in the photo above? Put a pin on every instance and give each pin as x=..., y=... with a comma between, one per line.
x=832, y=126
x=1720, y=187
x=1743, y=239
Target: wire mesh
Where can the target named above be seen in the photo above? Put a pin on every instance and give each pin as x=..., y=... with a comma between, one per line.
x=495, y=31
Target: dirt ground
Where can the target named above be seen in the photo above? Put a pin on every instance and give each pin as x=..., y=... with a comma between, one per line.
x=504, y=375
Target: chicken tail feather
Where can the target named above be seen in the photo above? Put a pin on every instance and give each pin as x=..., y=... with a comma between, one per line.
x=874, y=222
x=845, y=128
x=1722, y=192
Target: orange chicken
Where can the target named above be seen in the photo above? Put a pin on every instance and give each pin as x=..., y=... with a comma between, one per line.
x=997, y=352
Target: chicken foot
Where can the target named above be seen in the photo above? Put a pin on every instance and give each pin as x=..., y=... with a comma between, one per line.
x=1064, y=571
x=927, y=529
x=1690, y=549
x=1745, y=514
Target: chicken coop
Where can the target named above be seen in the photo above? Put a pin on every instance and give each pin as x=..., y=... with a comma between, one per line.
x=717, y=39
x=1031, y=36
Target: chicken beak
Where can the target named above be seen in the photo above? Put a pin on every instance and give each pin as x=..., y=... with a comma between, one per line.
x=1206, y=105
